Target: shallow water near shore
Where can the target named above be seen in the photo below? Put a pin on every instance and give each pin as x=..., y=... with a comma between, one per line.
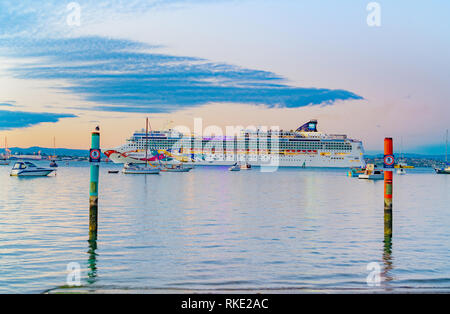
x=215, y=230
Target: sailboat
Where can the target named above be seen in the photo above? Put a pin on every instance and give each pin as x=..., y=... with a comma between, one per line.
x=53, y=163
x=130, y=168
x=402, y=165
x=445, y=170
x=4, y=159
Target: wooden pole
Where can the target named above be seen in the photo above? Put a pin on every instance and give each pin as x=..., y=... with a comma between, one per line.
x=93, y=188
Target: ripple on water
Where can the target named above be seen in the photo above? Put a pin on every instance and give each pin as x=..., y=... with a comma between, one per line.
x=212, y=229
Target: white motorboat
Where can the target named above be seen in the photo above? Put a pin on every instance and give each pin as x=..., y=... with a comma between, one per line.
x=235, y=167
x=138, y=169
x=28, y=169
x=372, y=173
x=176, y=168
x=401, y=171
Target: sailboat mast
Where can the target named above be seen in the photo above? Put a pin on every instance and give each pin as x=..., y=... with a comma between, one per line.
x=446, y=148
x=402, y=149
x=146, y=140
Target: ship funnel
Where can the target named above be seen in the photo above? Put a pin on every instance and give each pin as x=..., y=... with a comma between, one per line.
x=310, y=126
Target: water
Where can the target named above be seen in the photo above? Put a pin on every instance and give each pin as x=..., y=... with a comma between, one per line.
x=210, y=229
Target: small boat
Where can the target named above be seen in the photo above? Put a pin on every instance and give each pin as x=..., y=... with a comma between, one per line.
x=53, y=163
x=355, y=172
x=401, y=165
x=28, y=169
x=372, y=173
x=4, y=162
x=401, y=171
x=130, y=168
x=176, y=168
x=4, y=159
x=442, y=170
x=246, y=167
x=235, y=167
x=113, y=171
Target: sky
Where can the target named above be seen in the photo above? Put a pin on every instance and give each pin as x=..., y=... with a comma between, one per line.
x=66, y=67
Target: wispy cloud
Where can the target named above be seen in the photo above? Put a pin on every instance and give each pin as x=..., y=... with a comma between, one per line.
x=121, y=75
x=7, y=104
x=19, y=119
x=48, y=18
x=127, y=76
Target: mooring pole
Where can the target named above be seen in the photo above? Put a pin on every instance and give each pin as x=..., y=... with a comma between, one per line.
x=94, y=158
x=389, y=163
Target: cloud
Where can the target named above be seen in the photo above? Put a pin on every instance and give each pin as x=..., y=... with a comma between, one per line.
x=49, y=17
x=19, y=119
x=7, y=104
x=127, y=76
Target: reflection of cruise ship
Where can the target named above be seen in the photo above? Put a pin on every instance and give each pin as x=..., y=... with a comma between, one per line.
x=305, y=147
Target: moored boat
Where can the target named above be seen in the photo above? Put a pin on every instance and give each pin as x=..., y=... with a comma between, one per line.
x=235, y=167
x=246, y=167
x=443, y=170
x=372, y=173
x=4, y=159
x=28, y=169
x=132, y=168
x=176, y=168
x=355, y=172
x=138, y=169
x=4, y=162
x=402, y=165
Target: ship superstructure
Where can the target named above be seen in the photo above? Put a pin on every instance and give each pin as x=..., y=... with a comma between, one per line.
x=304, y=147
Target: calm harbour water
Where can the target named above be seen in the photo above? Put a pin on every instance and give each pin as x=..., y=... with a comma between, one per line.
x=211, y=229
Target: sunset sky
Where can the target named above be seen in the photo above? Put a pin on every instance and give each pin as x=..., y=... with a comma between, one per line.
x=230, y=62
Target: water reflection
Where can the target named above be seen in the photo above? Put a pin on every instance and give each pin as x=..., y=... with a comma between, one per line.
x=212, y=229
x=92, y=262
x=387, y=247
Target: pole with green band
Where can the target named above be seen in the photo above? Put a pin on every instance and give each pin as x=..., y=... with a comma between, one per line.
x=94, y=159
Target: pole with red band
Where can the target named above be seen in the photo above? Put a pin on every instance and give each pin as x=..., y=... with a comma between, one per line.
x=388, y=188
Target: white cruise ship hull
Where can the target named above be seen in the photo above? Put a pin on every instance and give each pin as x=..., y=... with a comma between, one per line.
x=30, y=173
x=315, y=161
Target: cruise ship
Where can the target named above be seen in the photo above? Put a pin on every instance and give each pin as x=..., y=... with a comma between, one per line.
x=304, y=147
